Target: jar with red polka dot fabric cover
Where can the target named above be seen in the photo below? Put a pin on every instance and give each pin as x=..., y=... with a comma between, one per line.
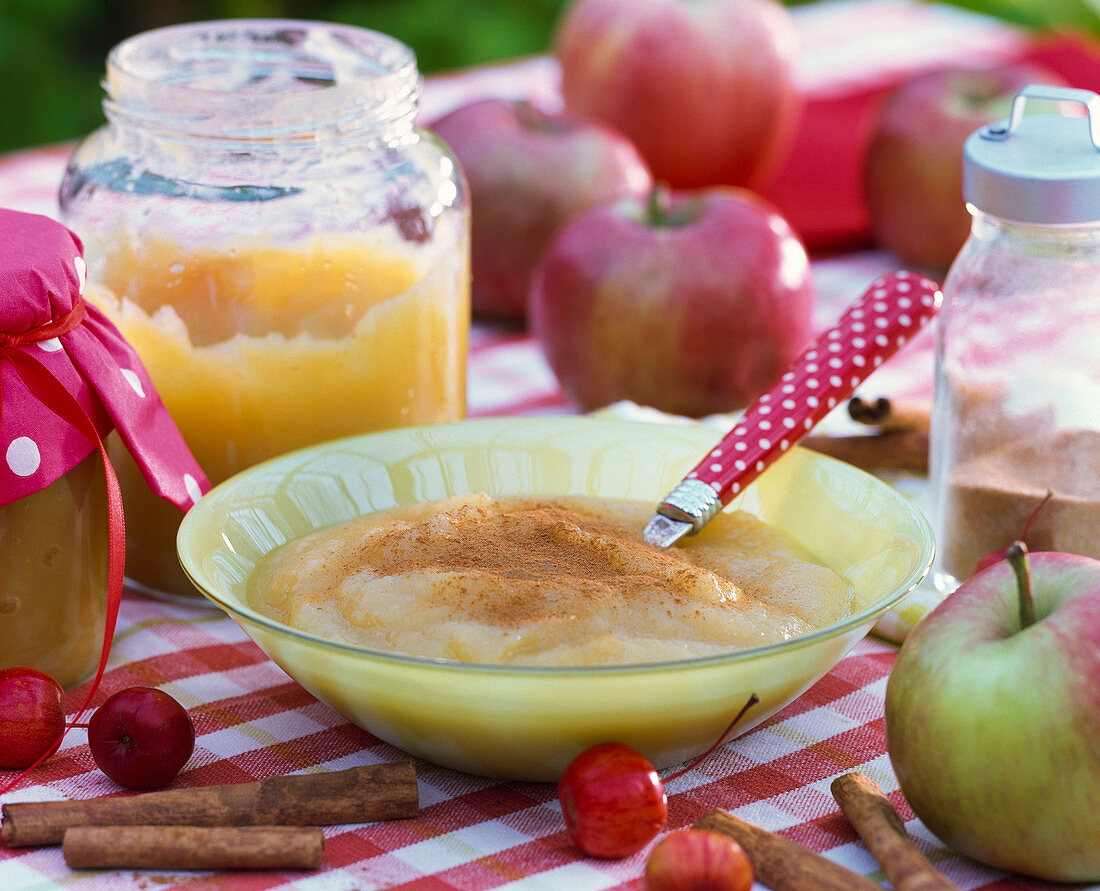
x=286, y=250
x=67, y=379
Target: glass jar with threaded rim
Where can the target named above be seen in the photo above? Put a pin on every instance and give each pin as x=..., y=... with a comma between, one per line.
x=285, y=248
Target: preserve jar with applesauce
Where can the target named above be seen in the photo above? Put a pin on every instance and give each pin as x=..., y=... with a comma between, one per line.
x=67, y=378
x=286, y=249
x=1017, y=395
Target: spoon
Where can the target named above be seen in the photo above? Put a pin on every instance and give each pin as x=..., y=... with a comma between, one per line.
x=877, y=325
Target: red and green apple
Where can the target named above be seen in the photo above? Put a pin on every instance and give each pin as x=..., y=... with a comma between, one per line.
x=912, y=174
x=704, y=88
x=529, y=171
x=993, y=717
x=690, y=302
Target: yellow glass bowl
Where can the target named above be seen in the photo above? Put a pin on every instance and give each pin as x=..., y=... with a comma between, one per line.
x=526, y=722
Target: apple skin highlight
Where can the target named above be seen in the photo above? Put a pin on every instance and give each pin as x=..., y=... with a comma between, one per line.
x=994, y=730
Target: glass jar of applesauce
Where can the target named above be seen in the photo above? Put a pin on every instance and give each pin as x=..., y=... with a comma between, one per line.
x=1017, y=397
x=53, y=489
x=67, y=380
x=289, y=253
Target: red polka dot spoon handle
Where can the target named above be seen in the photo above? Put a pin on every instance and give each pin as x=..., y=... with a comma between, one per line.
x=875, y=327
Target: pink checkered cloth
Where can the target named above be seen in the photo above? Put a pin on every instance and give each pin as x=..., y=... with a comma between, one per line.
x=253, y=721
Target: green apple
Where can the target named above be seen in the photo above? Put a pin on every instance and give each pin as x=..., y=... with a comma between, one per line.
x=993, y=717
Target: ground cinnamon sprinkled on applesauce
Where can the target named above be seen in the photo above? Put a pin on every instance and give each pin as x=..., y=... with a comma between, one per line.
x=568, y=581
x=536, y=553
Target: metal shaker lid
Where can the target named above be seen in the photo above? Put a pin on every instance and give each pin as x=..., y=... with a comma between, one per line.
x=1038, y=168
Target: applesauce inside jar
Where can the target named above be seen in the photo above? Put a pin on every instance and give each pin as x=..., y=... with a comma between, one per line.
x=265, y=348
x=53, y=575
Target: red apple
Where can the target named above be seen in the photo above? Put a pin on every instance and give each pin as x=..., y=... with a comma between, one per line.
x=993, y=717
x=704, y=88
x=613, y=801
x=693, y=304
x=32, y=716
x=529, y=171
x=913, y=168
x=697, y=860
x=141, y=737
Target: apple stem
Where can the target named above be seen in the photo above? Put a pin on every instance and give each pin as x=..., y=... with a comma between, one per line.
x=657, y=206
x=752, y=700
x=1016, y=554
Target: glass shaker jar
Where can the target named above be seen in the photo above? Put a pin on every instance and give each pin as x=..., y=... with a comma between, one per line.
x=287, y=251
x=1017, y=394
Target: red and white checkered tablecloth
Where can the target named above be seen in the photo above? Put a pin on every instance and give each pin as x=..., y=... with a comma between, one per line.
x=253, y=721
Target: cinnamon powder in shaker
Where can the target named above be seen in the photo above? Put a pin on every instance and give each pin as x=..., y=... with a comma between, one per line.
x=990, y=496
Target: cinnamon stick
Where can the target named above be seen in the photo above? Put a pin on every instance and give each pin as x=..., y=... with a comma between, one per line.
x=358, y=795
x=782, y=864
x=193, y=847
x=880, y=827
x=890, y=450
x=891, y=414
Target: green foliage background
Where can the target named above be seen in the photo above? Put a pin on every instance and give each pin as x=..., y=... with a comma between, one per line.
x=52, y=52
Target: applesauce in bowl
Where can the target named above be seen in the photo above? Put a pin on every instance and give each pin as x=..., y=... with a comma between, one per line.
x=565, y=581
x=527, y=721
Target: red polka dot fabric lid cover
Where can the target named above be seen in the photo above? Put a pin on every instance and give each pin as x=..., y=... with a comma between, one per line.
x=44, y=318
